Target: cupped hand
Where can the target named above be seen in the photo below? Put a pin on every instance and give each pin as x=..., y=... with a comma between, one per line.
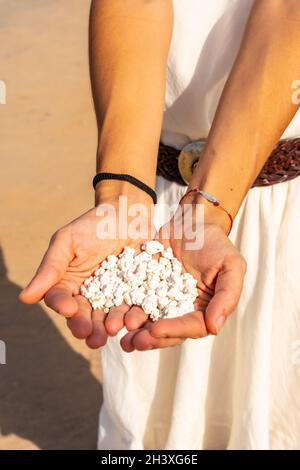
x=219, y=269
x=74, y=253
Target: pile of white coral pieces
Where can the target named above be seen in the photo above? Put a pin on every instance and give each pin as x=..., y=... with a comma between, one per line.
x=156, y=283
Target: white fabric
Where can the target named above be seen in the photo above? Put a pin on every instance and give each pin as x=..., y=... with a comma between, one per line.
x=206, y=39
x=241, y=389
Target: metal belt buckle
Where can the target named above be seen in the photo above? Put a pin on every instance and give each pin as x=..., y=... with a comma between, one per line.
x=188, y=159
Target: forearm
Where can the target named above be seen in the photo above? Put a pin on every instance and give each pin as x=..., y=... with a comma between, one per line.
x=256, y=105
x=129, y=42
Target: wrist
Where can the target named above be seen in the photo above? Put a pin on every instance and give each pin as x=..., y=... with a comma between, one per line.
x=212, y=214
x=107, y=190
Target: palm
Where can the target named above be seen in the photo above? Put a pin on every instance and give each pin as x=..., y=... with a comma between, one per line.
x=74, y=253
x=219, y=270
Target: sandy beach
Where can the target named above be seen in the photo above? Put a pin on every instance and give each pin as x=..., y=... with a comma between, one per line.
x=50, y=388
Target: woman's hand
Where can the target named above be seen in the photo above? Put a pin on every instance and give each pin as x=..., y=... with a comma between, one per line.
x=219, y=269
x=74, y=253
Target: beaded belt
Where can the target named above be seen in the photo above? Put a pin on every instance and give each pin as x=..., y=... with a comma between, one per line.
x=282, y=165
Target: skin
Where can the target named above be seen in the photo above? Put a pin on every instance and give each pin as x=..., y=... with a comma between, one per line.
x=129, y=100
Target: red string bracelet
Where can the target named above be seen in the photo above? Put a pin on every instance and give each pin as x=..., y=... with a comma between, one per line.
x=212, y=199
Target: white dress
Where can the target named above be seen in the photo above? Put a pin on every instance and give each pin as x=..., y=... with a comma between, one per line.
x=240, y=390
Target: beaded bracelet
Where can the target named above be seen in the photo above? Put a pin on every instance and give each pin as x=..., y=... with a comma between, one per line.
x=212, y=199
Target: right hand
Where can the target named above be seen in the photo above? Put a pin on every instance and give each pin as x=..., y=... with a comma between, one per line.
x=74, y=253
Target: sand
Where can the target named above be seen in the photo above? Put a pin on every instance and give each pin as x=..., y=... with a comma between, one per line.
x=50, y=388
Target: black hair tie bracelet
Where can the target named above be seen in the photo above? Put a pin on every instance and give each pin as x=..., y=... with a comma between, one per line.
x=122, y=177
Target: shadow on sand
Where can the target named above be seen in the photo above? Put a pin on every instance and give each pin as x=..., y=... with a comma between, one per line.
x=47, y=392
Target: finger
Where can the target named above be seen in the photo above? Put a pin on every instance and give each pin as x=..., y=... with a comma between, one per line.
x=135, y=318
x=81, y=324
x=60, y=298
x=114, y=321
x=98, y=337
x=51, y=269
x=228, y=289
x=126, y=342
x=206, y=282
x=203, y=295
x=142, y=340
x=190, y=325
x=201, y=302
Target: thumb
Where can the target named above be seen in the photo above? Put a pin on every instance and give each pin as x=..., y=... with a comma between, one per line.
x=51, y=270
x=228, y=289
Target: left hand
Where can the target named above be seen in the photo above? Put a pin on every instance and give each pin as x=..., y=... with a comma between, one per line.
x=220, y=270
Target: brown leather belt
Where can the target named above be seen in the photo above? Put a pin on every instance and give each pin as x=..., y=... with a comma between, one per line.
x=282, y=165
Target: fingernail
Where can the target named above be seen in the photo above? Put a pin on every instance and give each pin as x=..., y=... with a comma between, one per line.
x=219, y=323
